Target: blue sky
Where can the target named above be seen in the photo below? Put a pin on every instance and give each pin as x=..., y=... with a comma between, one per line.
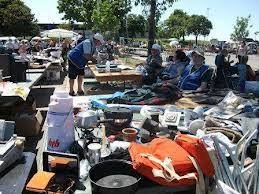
x=222, y=13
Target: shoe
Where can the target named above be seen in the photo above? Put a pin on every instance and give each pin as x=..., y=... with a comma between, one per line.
x=72, y=93
x=80, y=93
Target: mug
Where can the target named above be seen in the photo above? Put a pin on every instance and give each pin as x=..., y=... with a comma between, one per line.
x=94, y=153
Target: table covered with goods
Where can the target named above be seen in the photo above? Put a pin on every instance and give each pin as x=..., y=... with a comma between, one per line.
x=92, y=146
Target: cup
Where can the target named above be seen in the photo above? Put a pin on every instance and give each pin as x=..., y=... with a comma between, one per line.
x=199, y=110
x=129, y=134
x=94, y=153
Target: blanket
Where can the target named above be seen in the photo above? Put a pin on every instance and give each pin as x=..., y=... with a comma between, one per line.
x=156, y=94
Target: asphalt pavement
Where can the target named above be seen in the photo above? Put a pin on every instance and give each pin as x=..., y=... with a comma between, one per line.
x=253, y=60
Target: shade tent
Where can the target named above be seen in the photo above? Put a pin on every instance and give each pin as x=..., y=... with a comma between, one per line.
x=45, y=38
x=59, y=33
x=174, y=43
x=36, y=38
x=173, y=39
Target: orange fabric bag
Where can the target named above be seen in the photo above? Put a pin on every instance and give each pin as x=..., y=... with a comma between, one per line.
x=197, y=149
x=144, y=157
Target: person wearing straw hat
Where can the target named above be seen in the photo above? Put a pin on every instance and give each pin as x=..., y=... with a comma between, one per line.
x=196, y=75
x=78, y=57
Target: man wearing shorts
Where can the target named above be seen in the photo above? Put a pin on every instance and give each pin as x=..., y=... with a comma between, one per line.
x=78, y=57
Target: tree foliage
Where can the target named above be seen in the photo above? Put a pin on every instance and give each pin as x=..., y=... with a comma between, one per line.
x=16, y=19
x=241, y=29
x=136, y=25
x=77, y=10
x=199, y=25
x=86, y=11
x=104, y=18
x=177, y=24
x=155, y=8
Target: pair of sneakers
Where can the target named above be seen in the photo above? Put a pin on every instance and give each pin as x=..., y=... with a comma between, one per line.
x=79, y=93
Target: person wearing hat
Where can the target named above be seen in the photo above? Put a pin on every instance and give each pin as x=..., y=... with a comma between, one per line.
x=196, y=75
x=153, y=65
x=78, y=57
x=173, y=71
x=223, y=69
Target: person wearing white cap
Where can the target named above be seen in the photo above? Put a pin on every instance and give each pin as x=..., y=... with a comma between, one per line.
x=78, y=57
x=196, y=75
x=153, y=65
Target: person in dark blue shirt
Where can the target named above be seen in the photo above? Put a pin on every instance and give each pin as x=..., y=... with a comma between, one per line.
x=78, y=57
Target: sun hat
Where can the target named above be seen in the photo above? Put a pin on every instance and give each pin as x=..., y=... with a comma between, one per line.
x=156, y=47
x=199, y=52
x=99, y=37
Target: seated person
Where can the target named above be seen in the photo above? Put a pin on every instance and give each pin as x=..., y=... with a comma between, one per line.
x=152, y=66
x=175, y=69
x=223, y=69
x=244, y=71
x=23, y=48
x=196, y=75
x=36, y=47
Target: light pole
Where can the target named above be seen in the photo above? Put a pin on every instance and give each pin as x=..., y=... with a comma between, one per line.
x=256, y=33
x=208, y=13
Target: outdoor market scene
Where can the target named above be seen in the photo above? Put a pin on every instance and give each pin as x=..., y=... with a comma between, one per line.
x=129, y=97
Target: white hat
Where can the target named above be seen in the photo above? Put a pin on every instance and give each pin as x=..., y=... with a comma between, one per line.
x=99, y=37
x=199, y=52
x=157, y=47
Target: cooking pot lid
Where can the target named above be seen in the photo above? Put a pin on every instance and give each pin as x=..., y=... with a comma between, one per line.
x=118, y=110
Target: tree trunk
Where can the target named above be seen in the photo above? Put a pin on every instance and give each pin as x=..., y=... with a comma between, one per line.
x=152, y=25
x=196, y=40
x=183, y=37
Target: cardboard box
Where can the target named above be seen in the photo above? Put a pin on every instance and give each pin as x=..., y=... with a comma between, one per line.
x=28, y=124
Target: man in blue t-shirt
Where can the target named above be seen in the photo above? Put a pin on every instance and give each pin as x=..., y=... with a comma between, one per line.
x=78, y=57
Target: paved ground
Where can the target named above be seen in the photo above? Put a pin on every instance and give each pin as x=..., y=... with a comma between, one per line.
x=253, y=60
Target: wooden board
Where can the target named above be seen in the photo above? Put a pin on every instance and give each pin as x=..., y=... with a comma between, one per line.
x=125, y=75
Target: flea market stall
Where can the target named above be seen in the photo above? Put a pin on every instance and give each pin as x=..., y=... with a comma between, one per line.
x=196, y=144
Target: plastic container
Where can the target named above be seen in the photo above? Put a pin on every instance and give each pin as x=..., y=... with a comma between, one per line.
x=107, y=68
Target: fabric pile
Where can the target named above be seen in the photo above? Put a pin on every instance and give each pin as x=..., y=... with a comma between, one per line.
x=157, y=94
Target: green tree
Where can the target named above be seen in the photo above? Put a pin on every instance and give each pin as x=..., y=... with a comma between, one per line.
x=82, y=10
x=177, y=24
x=163, y=31
x=77, y=10
x=241, y=29
x=16, y=19
x=136, y=25
x=156, y=7
x=105, y=20
x=198, y=25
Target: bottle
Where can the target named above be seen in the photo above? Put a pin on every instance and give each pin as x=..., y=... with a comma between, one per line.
x=107, y=69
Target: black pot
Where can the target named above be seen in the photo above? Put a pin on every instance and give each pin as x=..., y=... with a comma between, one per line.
x=121, y=118
x=119, y=173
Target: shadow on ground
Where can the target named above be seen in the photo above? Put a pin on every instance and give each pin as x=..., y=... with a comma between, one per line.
x=45, y=82
x=42, y=96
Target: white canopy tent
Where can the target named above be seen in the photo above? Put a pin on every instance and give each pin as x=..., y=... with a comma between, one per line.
x=59, y=33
